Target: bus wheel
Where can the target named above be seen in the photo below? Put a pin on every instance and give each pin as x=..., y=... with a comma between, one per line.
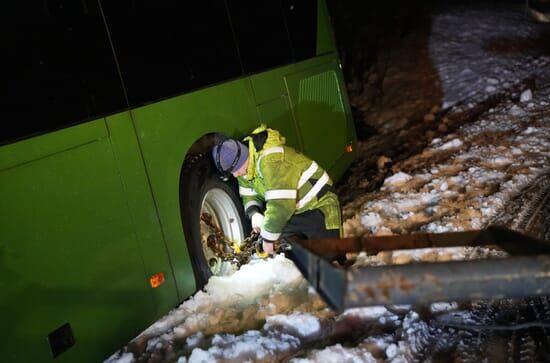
x=209, y=206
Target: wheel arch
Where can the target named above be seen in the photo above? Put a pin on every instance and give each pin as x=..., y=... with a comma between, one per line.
x=196, y=170
x=197, y=151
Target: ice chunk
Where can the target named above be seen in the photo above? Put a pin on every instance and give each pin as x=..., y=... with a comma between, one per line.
x=297, y=324
x=391, y=351
x=367, y=313
x=516, y=111
x=337, y=353
x=371, y=220
x=124, y=358
x=440, y=307
x=199, y=355
x=450, y=145
x=194, y=340
x=526, y=96
x=251, y=346
x=530, y=130
x=397, y=179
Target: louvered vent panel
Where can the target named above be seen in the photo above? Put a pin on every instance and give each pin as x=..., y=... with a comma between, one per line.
x=323, y=88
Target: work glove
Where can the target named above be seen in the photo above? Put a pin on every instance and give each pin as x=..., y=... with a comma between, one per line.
x=257, y=220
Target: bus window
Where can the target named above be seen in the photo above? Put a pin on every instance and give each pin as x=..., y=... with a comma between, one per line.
x=168, y=47
x=213, y=52
x=58, y=67
x=261, y=34
x=301, y=21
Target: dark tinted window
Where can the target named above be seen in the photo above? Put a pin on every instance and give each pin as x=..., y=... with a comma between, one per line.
x=301, y=19
x=166, y=47
x=58, y=67
x=261, y=34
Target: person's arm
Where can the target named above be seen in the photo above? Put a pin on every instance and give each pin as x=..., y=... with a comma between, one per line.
x=251, y=200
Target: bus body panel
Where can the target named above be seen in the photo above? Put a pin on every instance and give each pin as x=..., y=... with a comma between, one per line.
x=318, y=108
x=166, y=130
x=273, y=105
x=277, y=115
x=146, y=223
x=325, y=37
x=68, y=250
x=91, y=212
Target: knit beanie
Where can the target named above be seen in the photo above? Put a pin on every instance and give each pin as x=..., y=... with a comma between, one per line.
x=228, y=150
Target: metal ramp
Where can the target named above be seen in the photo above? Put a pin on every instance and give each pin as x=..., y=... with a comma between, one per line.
x=525, y=273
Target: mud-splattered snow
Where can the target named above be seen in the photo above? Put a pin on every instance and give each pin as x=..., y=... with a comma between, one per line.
x=473, y=60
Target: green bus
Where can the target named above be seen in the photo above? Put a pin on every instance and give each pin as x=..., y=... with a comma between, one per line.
x=108, y=111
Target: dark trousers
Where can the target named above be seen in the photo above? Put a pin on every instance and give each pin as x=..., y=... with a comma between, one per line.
x=309, y=225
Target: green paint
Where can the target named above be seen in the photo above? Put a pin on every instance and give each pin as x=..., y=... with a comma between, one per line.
x=90, y=212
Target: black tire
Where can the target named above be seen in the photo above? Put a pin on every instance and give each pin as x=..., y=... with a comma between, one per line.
x=198, y=179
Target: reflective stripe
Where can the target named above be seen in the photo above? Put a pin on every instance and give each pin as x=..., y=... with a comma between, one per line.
x=269, y=236
x=280, y=194
x=307, y=174
x=313, y=191
x=247, y=192
x=252, y=203
x=271, y=150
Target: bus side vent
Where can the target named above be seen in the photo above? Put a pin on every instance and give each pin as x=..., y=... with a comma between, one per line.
x=61, y=339
x=322, y=88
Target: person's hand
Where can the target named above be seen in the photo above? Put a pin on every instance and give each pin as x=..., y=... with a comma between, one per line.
x=257, y=220
x=268, y=247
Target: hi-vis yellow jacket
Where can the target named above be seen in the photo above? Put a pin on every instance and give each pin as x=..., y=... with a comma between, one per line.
x=287, y=182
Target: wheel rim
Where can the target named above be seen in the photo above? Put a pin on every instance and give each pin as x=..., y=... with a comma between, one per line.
x=226, y=217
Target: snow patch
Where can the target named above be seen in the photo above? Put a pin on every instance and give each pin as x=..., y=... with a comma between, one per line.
x=397, y=179
x=516, y=111
x=442, y=307
x=337, y=353
x=456, y=143
x=367, y=313
x=248, y=347
x=371, y=220
x=297, y=324
x=530, y=130
x=526, y=96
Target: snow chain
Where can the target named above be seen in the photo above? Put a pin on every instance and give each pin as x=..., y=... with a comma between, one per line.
x=234, y=251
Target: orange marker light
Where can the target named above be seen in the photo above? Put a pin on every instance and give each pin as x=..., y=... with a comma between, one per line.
x=349, y=148
x=156, y=280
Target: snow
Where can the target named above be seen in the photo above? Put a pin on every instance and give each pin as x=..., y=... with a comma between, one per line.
x=338, y=354
x=367, y=313
x=460, y=51
x=126, y=358
x=530, y=130
x=371, y=220
x=397, y=179
x=516, y=111
x=526, y=96
x=297, y=324
x=250, y=346
x=453, y=144
x=443, y=307
x=266, y=311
